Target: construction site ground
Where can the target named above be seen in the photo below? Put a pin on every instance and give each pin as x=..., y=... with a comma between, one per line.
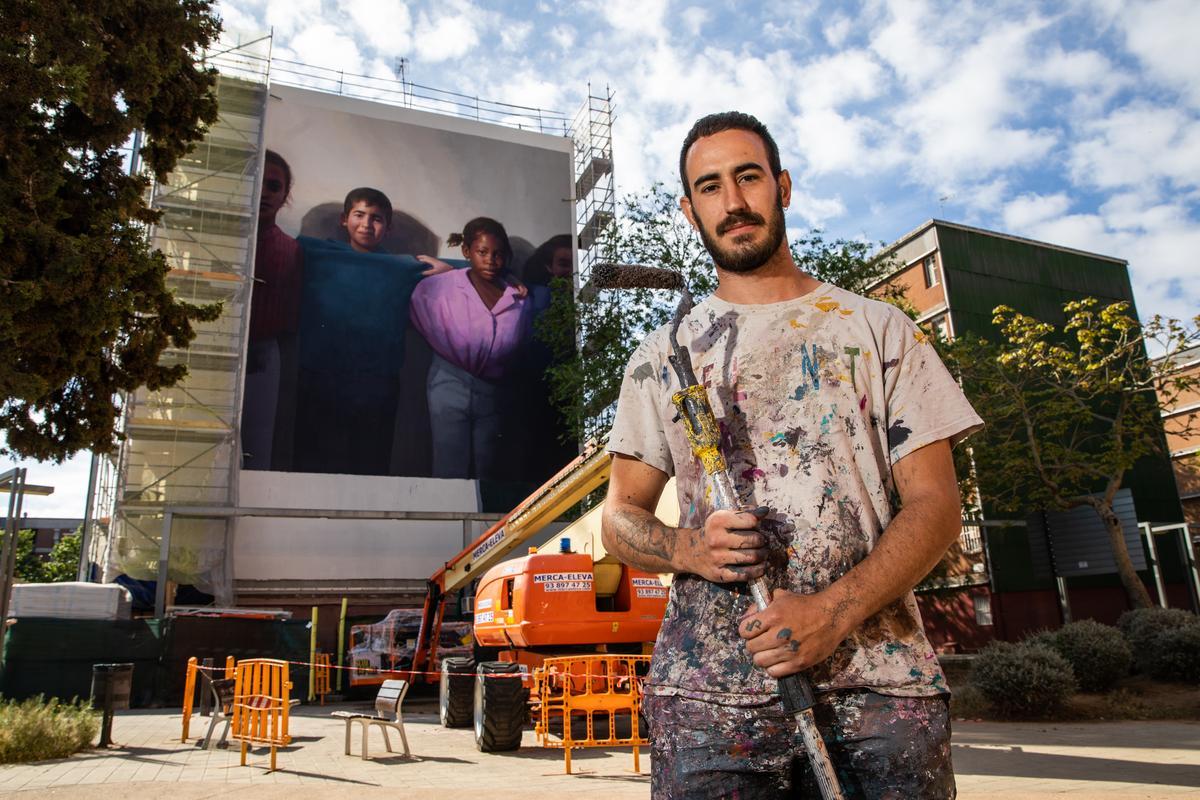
x=1107, y=760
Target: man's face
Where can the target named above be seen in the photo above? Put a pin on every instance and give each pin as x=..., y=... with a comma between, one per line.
x=366, y=225
x=274, y=193
x=736, y=203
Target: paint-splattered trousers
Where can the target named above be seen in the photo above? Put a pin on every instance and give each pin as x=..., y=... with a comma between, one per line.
x=883, y=748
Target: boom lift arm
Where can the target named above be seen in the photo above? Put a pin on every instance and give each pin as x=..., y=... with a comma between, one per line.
x=572, y=483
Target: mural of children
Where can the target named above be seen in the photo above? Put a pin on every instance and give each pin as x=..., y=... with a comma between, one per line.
x=269, y=407
x=475, y=323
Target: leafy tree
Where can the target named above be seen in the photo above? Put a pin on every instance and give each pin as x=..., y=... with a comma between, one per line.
x=28, y=566
x=84, y=309
x=609, y=325
x=1070, y=410
x=853, y=265
x=62, y=564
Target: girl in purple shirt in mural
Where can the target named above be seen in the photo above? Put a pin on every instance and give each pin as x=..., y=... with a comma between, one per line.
x=475, y=323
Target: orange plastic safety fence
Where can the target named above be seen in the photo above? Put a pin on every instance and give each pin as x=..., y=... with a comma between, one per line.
x=189, y=694
x=261, y=698
x=590, y=701
x=321, y=676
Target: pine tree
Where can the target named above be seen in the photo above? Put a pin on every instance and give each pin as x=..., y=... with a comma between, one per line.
x=84, y=309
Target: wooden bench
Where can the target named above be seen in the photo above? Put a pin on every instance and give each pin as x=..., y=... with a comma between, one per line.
x=387, y=715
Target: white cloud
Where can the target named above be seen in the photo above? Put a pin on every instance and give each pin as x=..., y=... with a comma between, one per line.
x=837, y=29
x=634, y=18
x=385, y=25
x=1162, y=34
x=968, y=123
x=1137, y=144
x=830, y=143
x=241, y=18
x=815, y=211
x=841, y=78
x=694, y=18
x=445, y=36
x=1028, y=210
x=288, y=18
x=909, y=42
x=563, y=36
x=323, y=45
x=1077, y=69
x=514, y=34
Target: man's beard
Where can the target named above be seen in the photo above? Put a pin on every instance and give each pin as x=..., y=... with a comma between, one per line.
x=750, y=257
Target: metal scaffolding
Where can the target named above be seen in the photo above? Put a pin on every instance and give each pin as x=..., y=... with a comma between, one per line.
x=595, y=189
x=180, y=443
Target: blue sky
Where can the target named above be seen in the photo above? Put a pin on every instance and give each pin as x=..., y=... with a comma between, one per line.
x=1073, y=122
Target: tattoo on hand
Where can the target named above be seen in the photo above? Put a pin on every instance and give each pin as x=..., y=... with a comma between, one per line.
x=786, y=633
x=793, y=646
x=753, y=625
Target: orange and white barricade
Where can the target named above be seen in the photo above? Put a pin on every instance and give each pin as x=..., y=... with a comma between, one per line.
x=600, y=694
x=262, y=694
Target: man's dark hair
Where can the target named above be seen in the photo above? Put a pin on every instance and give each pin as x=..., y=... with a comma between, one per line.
x=372, y=197
x=727, y=121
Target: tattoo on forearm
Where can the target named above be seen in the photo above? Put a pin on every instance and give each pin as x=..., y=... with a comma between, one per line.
x=642, y=536
x=839, y=610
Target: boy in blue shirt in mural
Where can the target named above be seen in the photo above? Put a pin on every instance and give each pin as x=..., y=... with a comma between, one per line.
x=354, y=312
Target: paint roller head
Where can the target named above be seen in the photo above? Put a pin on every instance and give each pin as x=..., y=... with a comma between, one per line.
x=635, y=276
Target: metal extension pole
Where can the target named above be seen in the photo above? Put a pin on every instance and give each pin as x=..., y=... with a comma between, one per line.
x=696, y=414
x=794, y=689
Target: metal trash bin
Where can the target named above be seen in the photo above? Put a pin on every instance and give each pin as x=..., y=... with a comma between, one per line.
x=111, y=686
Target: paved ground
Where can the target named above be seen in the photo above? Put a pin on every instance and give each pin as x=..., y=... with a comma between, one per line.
x=1113, y=761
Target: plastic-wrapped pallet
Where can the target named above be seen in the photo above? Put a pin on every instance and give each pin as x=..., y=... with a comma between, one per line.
x=71, y=601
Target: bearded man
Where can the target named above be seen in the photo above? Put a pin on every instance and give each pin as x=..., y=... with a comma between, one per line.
x=837, y=423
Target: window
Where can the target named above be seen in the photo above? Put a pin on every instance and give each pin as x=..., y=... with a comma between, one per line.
x=929, y=267
x=941, y=325
x=983, y=609
x=972, y=541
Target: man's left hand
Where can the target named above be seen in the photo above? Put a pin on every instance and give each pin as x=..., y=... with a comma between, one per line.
x=793, y=633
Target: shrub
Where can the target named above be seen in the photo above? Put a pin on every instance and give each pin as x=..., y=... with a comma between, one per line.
x=1098, y=654
x=1023, y=679
x=1174, y=655
x=1044, y=638
x=36, y=729
x=1142, y=627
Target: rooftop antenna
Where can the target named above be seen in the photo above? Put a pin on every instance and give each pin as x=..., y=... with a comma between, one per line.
x=401, y=70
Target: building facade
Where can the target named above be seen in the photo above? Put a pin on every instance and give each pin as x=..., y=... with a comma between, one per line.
x=1181, y=419
x=990, y=586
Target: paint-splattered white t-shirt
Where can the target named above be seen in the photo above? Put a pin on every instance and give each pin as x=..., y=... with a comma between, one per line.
x=817, y=397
